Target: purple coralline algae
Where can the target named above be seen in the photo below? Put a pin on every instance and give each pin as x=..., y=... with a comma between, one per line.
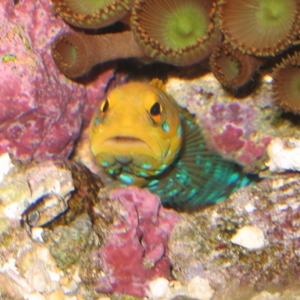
x=135, y=251
x=239, y=129
x=41, y=110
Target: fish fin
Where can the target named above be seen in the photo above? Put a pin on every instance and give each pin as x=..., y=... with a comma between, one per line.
x=199, y=177
x=158, y=83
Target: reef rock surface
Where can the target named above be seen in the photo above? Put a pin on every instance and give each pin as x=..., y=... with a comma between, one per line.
x=238, y=128
x=41, y=110
x=245, y=244
x=135, y=243
x=59, y=236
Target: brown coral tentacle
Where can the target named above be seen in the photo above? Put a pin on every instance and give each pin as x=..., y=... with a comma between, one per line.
x=264, y=27
x=76, y=53
x=92, y=13
x=179, y=32
x=286, y=83
x=231, y=67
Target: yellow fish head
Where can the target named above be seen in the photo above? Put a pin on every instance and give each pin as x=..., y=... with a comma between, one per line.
x=136, y=130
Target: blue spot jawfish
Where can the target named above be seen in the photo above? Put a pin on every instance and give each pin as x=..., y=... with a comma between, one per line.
x=144, y=138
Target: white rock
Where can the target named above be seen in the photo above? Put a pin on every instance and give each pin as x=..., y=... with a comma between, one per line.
x=12, y=211
x=199, y=288
x=36, y=234
x=250, y=208
x=5, y=165
x=284, y=154
x=35, y=296
x=266, y=296
x=158, y=287
x=249, y=237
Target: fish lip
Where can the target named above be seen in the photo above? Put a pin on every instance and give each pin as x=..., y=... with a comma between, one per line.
x=126, y=139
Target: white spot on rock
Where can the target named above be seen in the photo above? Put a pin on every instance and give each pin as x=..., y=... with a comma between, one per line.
x=35, y=296
x=12, y=211
x=250, y=208
x=249, y=237
x=284, y=154
x=199, y=288
x=266, y=296
x=158, y=287
x=268, y=79
x=5, y=165
x=36, y=234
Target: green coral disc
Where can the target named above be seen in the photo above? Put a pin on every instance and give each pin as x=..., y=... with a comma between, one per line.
x=232, y=67
x=88, y=7
x=180, y=32
x=69, y=53
x=91, y=13
x=260, y=27
x=184, y=25
x=286, y=83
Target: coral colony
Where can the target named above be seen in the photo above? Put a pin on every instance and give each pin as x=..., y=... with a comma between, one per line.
x=238, y=37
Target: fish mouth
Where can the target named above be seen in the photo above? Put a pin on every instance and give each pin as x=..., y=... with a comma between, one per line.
x=120, y=139
x=126, y=139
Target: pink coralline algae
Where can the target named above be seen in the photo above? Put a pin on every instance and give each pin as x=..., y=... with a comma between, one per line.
x=239, y=129
x=230, y=139
x=41, y=110
x=136, y=250
x=239, y=123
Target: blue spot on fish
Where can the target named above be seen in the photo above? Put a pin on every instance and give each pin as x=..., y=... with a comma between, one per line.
x=165, y=126
x=111, y=171
x=146, y=166
x=104, y=164
x=126, y=178
x=142, y=173
x=96, y=121
x=179, y=130
x=153, y=182
x=162, y=167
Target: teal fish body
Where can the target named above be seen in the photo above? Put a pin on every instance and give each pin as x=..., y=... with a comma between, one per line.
x=199, y=177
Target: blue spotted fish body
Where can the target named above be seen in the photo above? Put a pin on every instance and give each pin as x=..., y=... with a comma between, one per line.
x=140, y=136
x=199, y=176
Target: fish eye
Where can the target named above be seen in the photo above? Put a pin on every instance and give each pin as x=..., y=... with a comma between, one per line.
x=104, y=106
x=155, y=110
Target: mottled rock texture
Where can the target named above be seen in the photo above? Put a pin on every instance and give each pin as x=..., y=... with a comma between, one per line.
x=201, y=244
x=135, y=229
x=41, y=110
x=238, y=128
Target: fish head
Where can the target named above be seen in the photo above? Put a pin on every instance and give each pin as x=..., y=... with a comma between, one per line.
x=136, y=129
